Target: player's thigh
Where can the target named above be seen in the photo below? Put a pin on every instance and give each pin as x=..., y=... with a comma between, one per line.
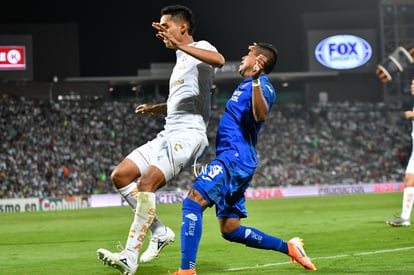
x=148, y=153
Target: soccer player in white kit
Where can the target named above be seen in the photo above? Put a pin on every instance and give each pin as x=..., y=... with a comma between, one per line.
x=408, y=195
x=177, y=146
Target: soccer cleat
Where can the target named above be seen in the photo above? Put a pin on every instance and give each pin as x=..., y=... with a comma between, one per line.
x=120, y=261
x=184, y=272
x=398, y=222
x=156, y=244
x=297, y=253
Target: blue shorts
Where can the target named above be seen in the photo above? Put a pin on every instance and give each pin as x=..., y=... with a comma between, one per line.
x=223, y=183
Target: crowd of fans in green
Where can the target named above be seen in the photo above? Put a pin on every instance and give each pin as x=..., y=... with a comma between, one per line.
x=62, y=148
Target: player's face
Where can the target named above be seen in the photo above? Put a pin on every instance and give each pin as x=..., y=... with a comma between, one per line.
x=170, y=31
x=248, y=61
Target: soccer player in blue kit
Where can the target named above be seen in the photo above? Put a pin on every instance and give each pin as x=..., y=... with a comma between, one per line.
x=225, y=179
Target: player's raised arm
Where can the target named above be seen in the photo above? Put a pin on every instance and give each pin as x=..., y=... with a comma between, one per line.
x=210, y=57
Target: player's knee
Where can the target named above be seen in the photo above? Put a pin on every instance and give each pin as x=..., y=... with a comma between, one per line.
x=235, y=236
x=114, y=177
x=118, y=179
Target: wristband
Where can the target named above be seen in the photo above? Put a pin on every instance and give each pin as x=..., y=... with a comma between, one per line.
x=256, y=82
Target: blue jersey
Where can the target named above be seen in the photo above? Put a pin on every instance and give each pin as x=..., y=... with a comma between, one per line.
x=237, y=130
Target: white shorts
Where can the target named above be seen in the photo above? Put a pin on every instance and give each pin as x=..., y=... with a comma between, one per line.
x=171, y=152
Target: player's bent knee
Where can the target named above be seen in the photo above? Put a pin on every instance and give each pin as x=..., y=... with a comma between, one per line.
x=119, y=179
x=235, y=236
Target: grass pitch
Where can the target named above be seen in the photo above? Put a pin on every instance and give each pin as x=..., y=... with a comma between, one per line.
x=343, y=235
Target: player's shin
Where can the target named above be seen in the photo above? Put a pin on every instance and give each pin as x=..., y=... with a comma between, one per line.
x=144, y=215
x=407, y=205
x=191, y=230
x=253, y=237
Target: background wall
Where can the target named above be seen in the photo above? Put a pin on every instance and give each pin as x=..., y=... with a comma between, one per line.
x=91, y=39
x=54, y=49
x=116, y=38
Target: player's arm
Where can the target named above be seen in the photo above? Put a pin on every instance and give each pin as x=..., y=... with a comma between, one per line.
x=151, y=109
x=409, y=115
x=259, y=104
x=213, y=58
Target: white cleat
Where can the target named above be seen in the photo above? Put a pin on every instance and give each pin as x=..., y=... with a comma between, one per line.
x=398, y=222
x=120, y=261
x=156, y=244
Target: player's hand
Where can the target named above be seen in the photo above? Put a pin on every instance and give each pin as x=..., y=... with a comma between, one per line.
x=162, y=34
x=161, y=30
x=258, y=67
x=144, y=108
x=409, y=114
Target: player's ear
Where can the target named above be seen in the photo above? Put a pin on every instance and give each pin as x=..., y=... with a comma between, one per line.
x=183, y=27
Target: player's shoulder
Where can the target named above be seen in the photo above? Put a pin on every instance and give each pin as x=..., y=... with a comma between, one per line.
x=204, y=44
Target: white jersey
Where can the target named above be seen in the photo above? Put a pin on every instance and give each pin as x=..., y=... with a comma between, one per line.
x=184, y=137
x=189, y=101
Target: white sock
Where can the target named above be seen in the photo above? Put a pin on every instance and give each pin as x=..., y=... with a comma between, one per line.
x=129, y=193
x=144, y=215
x=407, y=204
x=158, y=227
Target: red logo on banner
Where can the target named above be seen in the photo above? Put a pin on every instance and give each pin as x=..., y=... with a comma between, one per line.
x=12, y=58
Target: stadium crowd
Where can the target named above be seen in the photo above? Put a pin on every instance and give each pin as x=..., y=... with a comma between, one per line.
x=62, y=148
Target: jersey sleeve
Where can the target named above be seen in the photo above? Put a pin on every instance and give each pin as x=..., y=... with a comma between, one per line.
x=269, y=94
x=203, y=44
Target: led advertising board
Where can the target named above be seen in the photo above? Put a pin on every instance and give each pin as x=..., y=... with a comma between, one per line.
x=12, y=57
x=16, y=62
x=342, y=50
